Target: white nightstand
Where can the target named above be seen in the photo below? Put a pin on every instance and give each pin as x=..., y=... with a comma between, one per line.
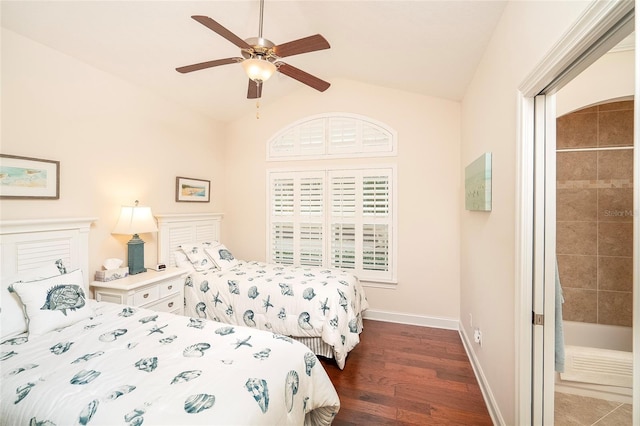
x=159, y=291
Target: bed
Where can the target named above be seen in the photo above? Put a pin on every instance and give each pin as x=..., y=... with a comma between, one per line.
x=319, y=307
x=114, y=364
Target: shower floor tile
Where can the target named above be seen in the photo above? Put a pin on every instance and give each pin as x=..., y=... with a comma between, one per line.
x=576, y=410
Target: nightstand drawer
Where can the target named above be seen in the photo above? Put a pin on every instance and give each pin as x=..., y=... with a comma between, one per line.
x=170, y=287
x=171, y=304
x=145, y=296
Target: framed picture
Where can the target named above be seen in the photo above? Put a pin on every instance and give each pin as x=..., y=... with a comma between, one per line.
x=29, y=178
x=192, y=190
x=477, y=184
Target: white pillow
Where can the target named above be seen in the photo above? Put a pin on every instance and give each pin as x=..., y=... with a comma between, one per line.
x=181, y=259
x=54, y=302
x=12, y=320
x=221, y=256
x=196, y=254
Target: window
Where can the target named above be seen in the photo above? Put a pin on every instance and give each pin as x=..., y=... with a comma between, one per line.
x=333, y=136
x=329, y=216
x=335, y=218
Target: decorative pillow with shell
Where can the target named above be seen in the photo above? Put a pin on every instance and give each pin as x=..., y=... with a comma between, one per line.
x=196, y=254
x=222, y=257
x=54, y=303
x=12, y=317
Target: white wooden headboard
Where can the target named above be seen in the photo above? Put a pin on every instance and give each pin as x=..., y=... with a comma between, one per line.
x=177, y=229
x=29, y=244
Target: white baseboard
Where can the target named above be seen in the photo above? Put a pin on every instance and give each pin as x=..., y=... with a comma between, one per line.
x=400, y=318
x=489, y=399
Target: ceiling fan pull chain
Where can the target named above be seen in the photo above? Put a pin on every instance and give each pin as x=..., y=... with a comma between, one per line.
x=258, y=109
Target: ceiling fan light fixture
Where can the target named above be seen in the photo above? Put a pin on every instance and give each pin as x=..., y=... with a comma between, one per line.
x=258, y=70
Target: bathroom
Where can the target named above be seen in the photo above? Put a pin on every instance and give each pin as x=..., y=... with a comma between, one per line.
x=594, y=241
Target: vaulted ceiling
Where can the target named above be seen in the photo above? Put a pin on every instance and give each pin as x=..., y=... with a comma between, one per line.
x=425, y=47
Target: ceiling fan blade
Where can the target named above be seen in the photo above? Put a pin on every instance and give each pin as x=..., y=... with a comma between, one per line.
x=217, y=28
x=303, y=77
x=254, y=91
x=208, y=64
x=303, y=45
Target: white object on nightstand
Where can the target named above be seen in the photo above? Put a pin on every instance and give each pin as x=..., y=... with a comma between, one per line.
x=159, y=291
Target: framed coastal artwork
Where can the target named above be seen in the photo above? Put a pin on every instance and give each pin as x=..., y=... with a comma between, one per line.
x=29, y=178
x=477, y=184
x=192, y=190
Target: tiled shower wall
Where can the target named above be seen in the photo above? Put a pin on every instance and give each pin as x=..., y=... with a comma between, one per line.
x=595, y=213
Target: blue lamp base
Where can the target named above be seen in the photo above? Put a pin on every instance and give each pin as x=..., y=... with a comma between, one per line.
x=135, y=248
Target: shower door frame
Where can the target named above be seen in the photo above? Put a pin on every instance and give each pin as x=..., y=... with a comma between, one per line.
x=601, y=26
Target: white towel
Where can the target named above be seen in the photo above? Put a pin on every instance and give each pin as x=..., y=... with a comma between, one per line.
x=559, y=330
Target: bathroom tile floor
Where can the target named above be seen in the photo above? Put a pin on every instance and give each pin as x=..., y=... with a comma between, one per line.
x=576, y=410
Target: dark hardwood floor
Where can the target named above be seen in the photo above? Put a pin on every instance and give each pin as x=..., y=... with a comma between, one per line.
x=407, y=375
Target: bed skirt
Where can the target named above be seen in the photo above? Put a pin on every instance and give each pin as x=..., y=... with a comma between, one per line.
x=317, y=346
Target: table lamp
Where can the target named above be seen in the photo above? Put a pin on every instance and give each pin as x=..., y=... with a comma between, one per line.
x=135, y=220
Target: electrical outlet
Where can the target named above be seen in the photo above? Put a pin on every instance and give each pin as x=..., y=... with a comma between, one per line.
x=477, y=336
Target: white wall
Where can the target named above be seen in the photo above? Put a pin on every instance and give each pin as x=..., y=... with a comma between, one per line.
x=610, y=77
x=115, y=142
x=428, y=179
x=118, y=143
x=526, y=32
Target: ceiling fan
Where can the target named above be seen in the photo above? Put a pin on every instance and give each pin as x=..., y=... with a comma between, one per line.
x=261, y=57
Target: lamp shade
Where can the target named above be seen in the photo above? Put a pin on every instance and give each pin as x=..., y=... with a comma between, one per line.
x=135, y=220
x=258, y=70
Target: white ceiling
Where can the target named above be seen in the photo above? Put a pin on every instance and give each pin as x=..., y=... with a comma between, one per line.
x=426, y=47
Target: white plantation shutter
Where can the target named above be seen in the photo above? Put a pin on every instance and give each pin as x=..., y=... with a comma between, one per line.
x=282, y=243
x=282, y=196
x=311, y=221
x=343, y=134
x=343, y=246
x=304, y=139
x=354, y=205
x=333, y=136
x=281, y=227
x=343, y=196
x=375, y=195
x=311, y=244
x=350, y=135
x=376, y=224
x=361, y=221
x=375, y=247
x=296, y=229
x=285, y=144
x=311, y=196
x=343, y=214
x=375, y=138
x=311, y=138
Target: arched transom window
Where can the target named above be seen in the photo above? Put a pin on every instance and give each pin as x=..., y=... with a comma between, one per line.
x=333, y=136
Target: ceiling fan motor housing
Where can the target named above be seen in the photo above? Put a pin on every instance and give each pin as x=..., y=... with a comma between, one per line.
x=262, y=48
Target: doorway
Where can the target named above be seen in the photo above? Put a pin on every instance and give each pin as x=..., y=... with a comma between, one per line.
x=594, y=218
x=603, y=26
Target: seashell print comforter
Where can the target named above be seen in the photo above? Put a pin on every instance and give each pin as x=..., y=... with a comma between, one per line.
x=132, y=366
x=290, y=300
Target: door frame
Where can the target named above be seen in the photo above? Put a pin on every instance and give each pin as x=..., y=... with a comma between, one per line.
x=601, y=26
